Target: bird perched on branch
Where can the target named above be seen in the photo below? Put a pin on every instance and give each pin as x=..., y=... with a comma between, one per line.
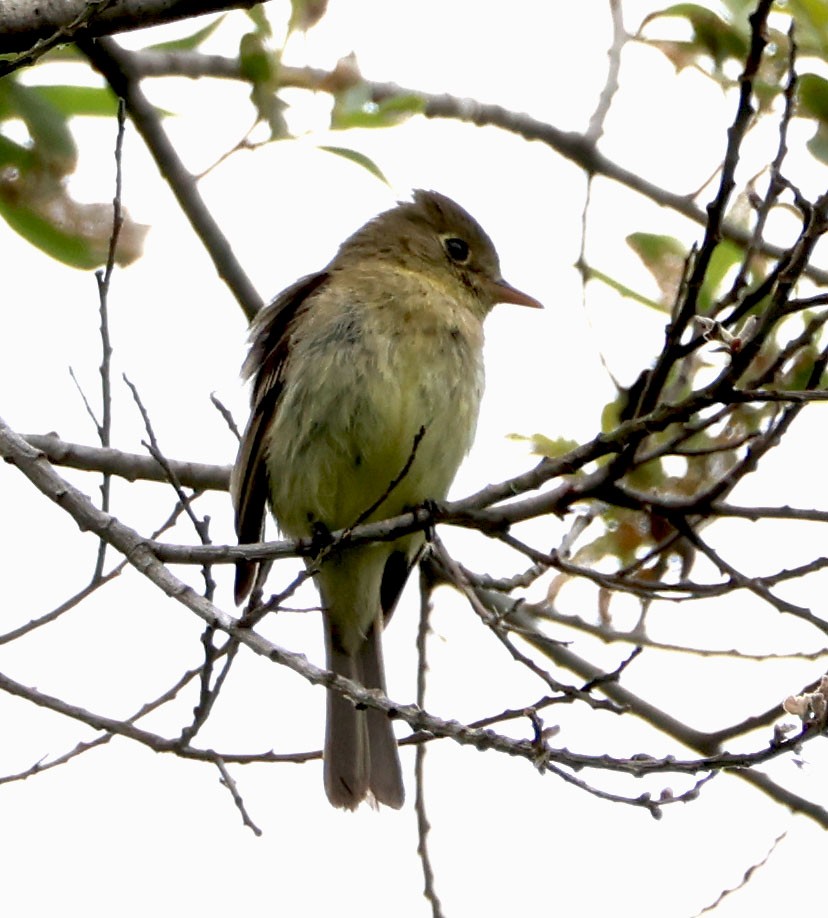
x=367, y=379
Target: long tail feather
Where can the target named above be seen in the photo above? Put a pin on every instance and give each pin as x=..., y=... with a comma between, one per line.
x=346, y=764
x=385, y=779
x=360, y=756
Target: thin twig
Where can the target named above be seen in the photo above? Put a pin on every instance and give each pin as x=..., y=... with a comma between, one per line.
x=619, y=39
x=230, y=784
x=423, y=822
x=104, y=280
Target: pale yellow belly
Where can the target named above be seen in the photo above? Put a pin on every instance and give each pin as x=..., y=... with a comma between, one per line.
x=346, y=431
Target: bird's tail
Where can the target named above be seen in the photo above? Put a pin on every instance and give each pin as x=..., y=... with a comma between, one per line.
x=360, y=757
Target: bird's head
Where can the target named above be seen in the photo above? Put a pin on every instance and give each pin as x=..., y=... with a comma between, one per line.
x=433, y=235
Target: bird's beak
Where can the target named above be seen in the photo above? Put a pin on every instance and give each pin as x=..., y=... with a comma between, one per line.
x=506, y=293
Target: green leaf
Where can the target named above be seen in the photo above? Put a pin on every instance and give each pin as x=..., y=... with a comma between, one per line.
x=740, y=9
x=359, y=158
x=189, y=42
x=546, y=446
x=681, y=54
x=663, y=257
x=270, y=109
x=655, y=249
x=257, y=63
x=355, y=109
x=611, y=412
x=47, y=125
x=623, y=289
x=403, y=105
x=815, y=11
x=812, y=96
x=811, y=27
x=725, y=256
x=258, y=17
x=95, y=101
x=818, y=144
x=12, y=154
x=712, y=36
x=798, y=372
x=812, y=99
x=65, y=247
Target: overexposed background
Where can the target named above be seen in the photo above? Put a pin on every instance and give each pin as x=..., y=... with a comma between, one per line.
x=121, y=830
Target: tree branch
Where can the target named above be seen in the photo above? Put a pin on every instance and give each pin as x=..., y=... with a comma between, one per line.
x=131, y=466
x=574, y=146
x=26, y=24
x=116, y=66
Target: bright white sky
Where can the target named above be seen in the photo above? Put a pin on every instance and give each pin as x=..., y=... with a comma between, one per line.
x=124, y=830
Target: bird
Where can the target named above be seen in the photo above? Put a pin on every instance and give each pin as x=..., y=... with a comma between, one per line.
x=366, y=379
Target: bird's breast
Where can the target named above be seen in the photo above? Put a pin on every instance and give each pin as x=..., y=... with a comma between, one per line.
x=378, y=408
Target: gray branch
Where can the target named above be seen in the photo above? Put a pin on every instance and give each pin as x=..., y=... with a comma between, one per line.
x=23, y=24
x=132, y=466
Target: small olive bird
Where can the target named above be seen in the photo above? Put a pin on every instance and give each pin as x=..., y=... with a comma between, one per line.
x=367, y=379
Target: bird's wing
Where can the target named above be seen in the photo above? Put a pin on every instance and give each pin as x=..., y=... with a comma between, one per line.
x=265, y=365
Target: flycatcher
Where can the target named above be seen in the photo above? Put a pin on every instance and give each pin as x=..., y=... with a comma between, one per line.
x=367, y=379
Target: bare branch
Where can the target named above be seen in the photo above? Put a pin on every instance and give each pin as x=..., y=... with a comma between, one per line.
x=104, y=280
x=423, y=823
x=115, y=64
x=35, y=29
x=131, y=466
x=571, y=145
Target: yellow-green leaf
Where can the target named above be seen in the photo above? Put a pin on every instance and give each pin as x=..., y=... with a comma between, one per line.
x=359, y=158
x=812, y=94
x=95, y=101
x=46, y=124
x=713, y=36
x=549, y=447
x=663, y=257
x=189, y=42
x=623, y=289
x=355, y=109
x=257, y=63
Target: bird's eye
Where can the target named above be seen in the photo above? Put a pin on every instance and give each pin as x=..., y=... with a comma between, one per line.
x=456, y=249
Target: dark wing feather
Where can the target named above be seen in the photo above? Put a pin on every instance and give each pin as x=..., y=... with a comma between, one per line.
x=265, y=363
x=396, y=571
